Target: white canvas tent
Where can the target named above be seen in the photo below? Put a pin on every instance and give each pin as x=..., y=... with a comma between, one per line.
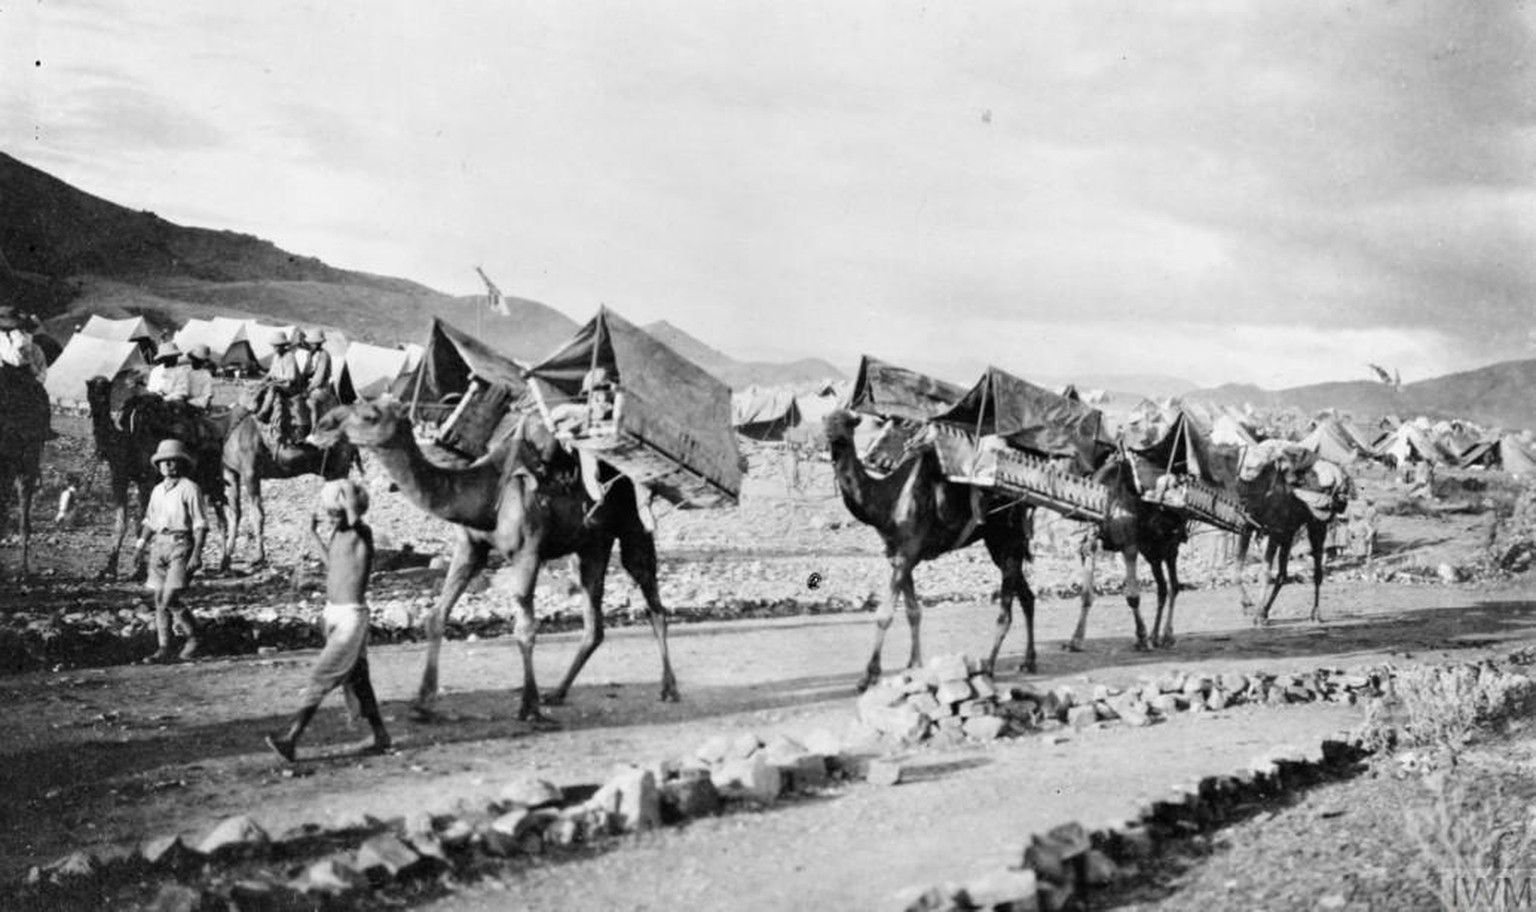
x=260, y=336
x=368, y=370
x=85, y=357
x=225, y=339
x=127, y=330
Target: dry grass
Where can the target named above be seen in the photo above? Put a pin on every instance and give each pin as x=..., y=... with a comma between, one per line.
x=1445, y=707
x=1468, y=845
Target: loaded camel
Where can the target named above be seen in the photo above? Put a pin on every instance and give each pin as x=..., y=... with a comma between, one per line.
x=21, y=452
x=1135, y=529
x=525, y=501
x=920, y=515
x=127, y=449
x=249, y=457
x=1278, y=514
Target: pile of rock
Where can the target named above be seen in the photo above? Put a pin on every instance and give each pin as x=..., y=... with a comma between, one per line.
x=950, y=699
x=233, y=863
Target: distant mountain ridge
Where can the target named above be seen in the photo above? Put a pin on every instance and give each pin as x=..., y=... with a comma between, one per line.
x=741, y=374
x=1499, y=395
x=65, y=253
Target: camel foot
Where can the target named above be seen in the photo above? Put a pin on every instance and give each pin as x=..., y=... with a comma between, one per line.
x=670, y=695
x=537, y=719
x=1142, y=645
x=1072, y=646
x=1027, y=666
x=1166, y=642
x=420, y=712
x=866, y=682
x=555, y=698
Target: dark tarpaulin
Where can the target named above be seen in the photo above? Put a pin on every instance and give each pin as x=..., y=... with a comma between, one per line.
x=679, y=408
x=889, y=391
x=1031, y=418
x=451, y=358
x=1184, y=447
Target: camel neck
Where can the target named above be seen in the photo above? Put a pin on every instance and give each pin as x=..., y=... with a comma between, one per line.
x=465, y=496
x=853, y=482
x=101, y=421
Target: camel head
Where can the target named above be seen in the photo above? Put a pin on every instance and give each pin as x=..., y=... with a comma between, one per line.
x=380, y=425
x=98, y=388
x=839, y=425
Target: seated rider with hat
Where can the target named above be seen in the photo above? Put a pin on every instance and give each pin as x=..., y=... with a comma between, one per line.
x=281, y=401
x=168, y=378
x=23, y=370
x=199, y=376
x=319, y=393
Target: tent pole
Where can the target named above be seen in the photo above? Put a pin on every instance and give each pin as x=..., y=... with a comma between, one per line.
x=416, y=387
x=538, y=399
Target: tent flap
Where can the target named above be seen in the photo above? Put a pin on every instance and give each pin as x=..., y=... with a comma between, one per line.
x=669, y=402
x=888, y=391
x=1030, y=418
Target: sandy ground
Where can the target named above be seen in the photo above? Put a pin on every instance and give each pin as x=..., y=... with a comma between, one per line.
x=101, y=756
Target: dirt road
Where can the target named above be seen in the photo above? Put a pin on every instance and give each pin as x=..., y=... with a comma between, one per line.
x=103, y=756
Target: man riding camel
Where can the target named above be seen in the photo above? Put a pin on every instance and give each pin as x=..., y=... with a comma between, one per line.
x=23, y=369
x=283, y=401
x=199, y=377
x=318, y=386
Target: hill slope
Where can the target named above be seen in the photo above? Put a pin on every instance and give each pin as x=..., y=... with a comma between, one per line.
x=741, y=374
x=1497, y=395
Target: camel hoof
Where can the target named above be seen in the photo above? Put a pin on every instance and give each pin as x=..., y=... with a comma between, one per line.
x=554, y=699
x=1167, y=642
x=1027, y=667
x=1072, y=646
x=1143, y=646
x=422, y=713
x=670, y=695
x=538, y=720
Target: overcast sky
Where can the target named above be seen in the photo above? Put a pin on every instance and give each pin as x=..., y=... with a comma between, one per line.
x=1265, y=191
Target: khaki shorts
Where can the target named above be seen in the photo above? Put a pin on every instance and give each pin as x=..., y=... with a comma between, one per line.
x=168, y=556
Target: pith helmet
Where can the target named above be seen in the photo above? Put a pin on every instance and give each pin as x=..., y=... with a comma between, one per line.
x=200, y=352
x=281, y=340
x=168, y=350
x=171, y=448
x=299, y=338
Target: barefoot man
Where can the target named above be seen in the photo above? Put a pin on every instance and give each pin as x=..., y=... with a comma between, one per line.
x=348, y=558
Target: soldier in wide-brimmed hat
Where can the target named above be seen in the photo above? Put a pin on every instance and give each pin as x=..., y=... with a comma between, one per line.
x=168, y=378
x=16, y=346
x=282, y=401
x=175, y=523
x=24, y=405
x=199, y=376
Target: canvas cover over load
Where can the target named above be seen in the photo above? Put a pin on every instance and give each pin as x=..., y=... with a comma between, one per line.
x=888, y=391
x=1029, y=442
x=671, y=423
x=1178, y=467
x=465, y=384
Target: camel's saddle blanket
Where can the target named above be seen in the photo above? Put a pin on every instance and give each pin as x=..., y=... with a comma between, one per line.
x=1322, y=485
x=989, y=462
x=1198, y=499
x=630, y=441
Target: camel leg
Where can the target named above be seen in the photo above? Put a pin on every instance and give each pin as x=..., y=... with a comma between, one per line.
x=232, y=531
x=119, y=528
x=1087, y=555
x=258, y=520
x=1027, y=609
x=594, y=568
x=914, y=622
x=1133, y=597
x=901, y=576
x=1244, y=539
x=28, y=488
x=1010, y=562
x=637, y=552
x=1160, y=579
x=1279, y=553
x=1316, y=534
x=525, y=575
x=468, y=558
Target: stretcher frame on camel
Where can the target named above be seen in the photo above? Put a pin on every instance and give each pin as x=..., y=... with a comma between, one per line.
x=1193, y=497
x=1022, y=476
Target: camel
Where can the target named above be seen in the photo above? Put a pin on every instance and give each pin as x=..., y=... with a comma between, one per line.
x=248, y=458
x=127, y=455
x=1135, y=529
x=524, y=500
x=920, y=515
x=21, y=455
x=1278, y=515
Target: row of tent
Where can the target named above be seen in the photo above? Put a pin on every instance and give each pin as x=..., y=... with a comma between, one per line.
x=1179, y=435
x=123, y=350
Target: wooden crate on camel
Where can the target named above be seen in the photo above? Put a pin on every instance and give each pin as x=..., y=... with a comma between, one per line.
x=1178, y=467
x=1026, y=442
x=624, y=396
x=463, y=394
